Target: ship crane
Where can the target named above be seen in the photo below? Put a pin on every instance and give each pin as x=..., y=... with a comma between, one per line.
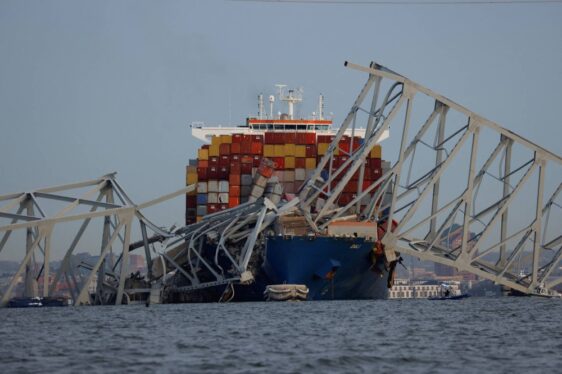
x=460, y=191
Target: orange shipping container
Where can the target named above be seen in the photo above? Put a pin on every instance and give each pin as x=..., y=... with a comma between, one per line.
x=256, y=148
x=233, y=202
x=233, y=191
x=234, y=179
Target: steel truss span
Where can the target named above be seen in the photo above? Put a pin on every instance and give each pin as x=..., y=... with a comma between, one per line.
x=102, y=203
x=461, y=190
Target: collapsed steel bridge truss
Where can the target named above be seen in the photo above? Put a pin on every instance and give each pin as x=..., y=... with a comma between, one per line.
x=462, y=191
x=448, y=202
x=101, y=201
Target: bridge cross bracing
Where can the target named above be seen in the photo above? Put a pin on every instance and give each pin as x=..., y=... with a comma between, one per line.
x=449, y=203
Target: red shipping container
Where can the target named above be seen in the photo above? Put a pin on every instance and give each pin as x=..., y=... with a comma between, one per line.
x=247, y=138
x=300, y=138
x=279, y=138
x=233, y=201
x=202, y=174
x=213, y=161
x=265, y=170
x=367, y=184
x=224, y=149
x=246, y=168
x=212, y=208
x=237, y=138
x=245, y=147
x=344, y=145
x=234, y=179
x=213, y=172
x=205, y=146
x=235, y=148
x=310, y=138
x=279, y=163
x=257, y=138
x=191, y=201
x=300, y=162
x=257, y=161
x=203, y=163
x=290, y=138
x=311, y=150
x=224, y=161
x=223, y=206
x=234, y=190
x=345, y=198
x=375, y=163
x=235, y=168
x=224, y=172
x=256, y=148
x=322, y=139
x=235, y=158
x=247, y=159
x=351, y=187
x=269, y=138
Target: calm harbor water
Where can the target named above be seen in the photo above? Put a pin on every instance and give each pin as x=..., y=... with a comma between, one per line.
x=509, y=335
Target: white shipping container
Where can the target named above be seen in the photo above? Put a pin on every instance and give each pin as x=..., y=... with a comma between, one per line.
x=300, y=174
x=280, y=174
x=202, y=187
x=213, y=186
x=257, y=191
x=213, y=198
x=223, y=186
x=223, y=198
x=260, y=180
x=289, y=176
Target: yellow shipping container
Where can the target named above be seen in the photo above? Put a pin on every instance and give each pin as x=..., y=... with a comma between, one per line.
x=310, y=162
x=323, y=148
x=216, y=140
x=279, y=150
x=269, y=150
x=289, y=162
x=376, y=152
x=191, y=179
x=214, y=150
x=226, y=139
x=289, y=149
x=300, y=151
x=199, y=219
x=203, y=154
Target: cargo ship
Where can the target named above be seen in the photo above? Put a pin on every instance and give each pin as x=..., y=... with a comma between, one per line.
x=346, y=266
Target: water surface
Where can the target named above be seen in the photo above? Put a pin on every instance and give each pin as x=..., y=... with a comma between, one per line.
x=504, y=335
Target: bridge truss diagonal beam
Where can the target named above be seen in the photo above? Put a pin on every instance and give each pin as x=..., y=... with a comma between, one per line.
x=450, y=204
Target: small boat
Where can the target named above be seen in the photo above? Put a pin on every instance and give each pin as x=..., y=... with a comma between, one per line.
x=286, y=292
x=446, y=293
x=450, y=297
x=36, y=302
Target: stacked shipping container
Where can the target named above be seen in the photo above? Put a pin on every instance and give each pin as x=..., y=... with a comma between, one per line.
x=226, y=169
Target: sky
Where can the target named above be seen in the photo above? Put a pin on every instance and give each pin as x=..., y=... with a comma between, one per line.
x=88, y=88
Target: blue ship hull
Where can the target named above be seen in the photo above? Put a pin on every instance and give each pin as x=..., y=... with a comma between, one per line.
x=331, y=268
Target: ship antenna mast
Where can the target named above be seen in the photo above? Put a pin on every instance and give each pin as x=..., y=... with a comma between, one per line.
x=321, y=107
x=260, y=106
x=291, y=98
